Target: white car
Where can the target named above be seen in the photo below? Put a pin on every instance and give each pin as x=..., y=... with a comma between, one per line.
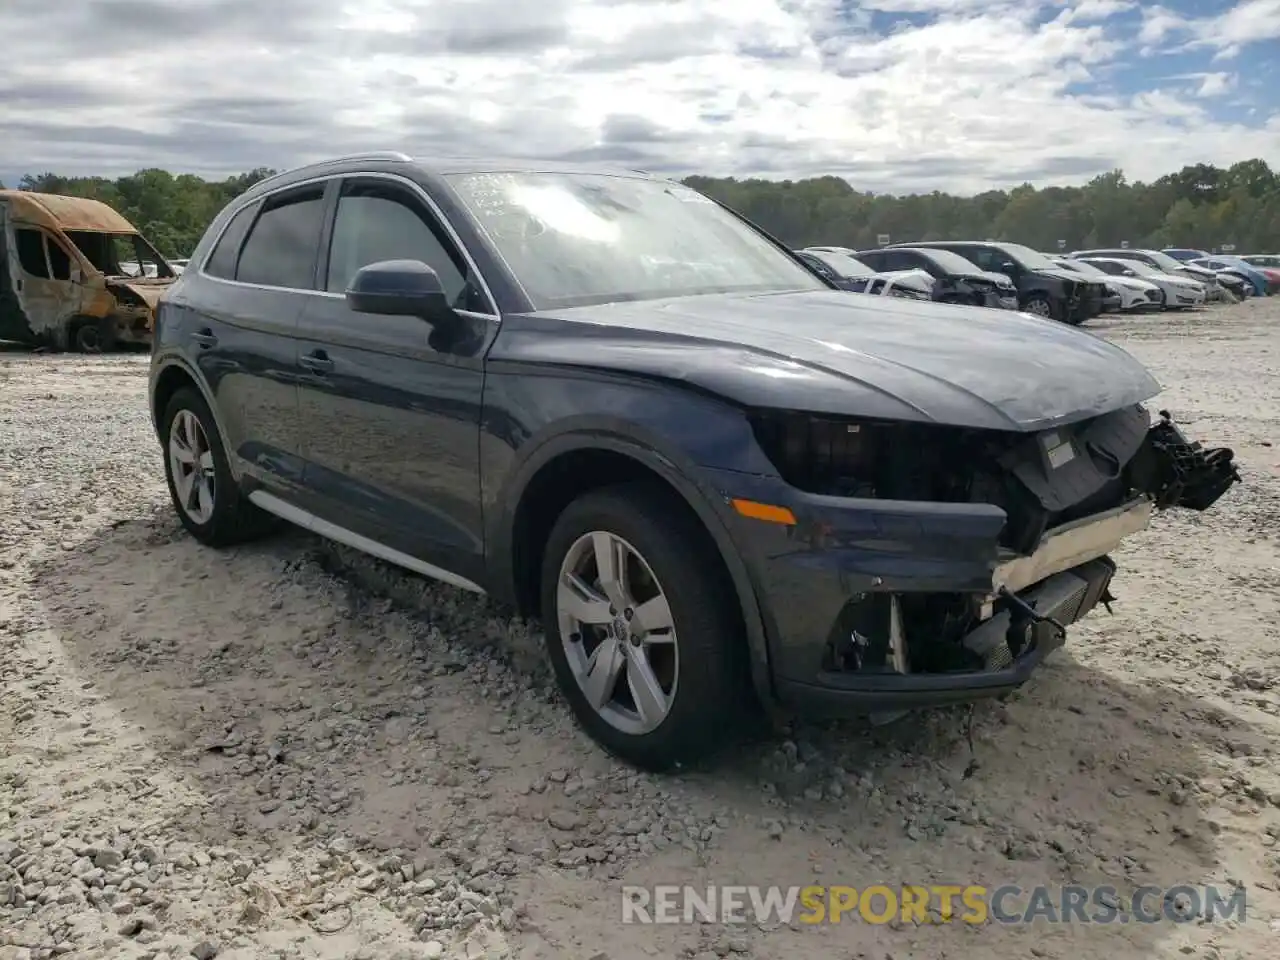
x=1136, y=295
x=1179, y=292
x=178, y=265
x=850, y=273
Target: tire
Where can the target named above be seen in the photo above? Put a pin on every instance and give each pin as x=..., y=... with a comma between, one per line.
x=703, y=671
x=87, y=337
x=226, y=517
x=1041, y=306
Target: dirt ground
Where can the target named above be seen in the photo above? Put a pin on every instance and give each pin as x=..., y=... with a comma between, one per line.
x=285, y=750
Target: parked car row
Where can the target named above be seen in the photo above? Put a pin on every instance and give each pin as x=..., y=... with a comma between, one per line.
x=848, y=273
x=1260, y=271
x=1070, y=288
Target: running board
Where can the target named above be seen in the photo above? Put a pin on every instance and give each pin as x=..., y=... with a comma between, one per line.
x=331, y=531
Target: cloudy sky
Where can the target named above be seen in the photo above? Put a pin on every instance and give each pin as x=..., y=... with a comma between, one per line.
x=895, y=95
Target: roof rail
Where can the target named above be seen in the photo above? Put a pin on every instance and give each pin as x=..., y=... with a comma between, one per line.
x=371, y=155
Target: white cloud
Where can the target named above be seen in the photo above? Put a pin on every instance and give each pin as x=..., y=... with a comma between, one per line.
x=1216, y=84
x=1098, y=9
x=980, y=96
x=1247, y=22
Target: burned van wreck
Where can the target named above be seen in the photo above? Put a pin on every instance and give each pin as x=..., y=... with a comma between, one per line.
x=74, y=274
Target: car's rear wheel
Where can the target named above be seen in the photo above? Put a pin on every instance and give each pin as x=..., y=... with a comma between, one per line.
x=641, y=628
x=205, y=494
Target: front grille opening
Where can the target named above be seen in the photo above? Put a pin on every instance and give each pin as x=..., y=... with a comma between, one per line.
x=933, y=626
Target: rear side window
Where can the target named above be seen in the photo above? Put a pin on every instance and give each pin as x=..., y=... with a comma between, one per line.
x=31, y=253
x=874, y=260
x=281, y=249
x=222, y=262
x=898, y=260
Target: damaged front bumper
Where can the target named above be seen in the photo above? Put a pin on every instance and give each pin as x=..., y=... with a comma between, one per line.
x=878, y=606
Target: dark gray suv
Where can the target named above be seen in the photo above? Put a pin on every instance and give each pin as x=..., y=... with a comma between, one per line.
x=612, y=403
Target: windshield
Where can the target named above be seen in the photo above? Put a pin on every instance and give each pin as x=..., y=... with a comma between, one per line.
x=1087, y=269
x=843, y=265
x=574, y=239
x=949, y=262
x=1163, y=261
x=120, y=254
x=1263, y=260
x=1027, y=258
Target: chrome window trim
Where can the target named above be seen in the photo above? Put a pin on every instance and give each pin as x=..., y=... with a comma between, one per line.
x=415, y=188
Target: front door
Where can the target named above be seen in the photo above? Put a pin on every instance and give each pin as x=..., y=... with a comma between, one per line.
x=390, y=413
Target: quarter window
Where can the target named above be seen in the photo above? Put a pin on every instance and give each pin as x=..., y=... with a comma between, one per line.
x=281, y=248
x=378, y=221
x=222, y=262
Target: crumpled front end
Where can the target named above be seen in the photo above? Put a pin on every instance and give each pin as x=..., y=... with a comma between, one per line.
x=133, y=312
x=935, y=565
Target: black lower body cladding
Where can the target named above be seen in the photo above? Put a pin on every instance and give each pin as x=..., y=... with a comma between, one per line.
x=877, y=604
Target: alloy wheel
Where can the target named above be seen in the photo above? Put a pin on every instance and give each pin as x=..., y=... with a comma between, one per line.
x=618, y=632
x=1039, y=307
x=191, y=465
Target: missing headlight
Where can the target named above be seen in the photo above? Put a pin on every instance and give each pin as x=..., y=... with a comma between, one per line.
x=853, y=458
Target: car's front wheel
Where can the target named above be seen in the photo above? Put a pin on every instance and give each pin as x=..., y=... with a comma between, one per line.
x=205, y=494
x=641, y=628
x=1040, y=305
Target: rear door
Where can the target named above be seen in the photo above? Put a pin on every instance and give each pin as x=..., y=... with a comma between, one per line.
x=241, y=330
x=390, y=410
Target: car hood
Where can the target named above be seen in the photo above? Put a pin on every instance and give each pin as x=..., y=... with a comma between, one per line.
x=913, y=278
x=1199, y=273
x=999, y=279
x=1059, y=273
x=1133, y=283
x=150, y=290
x=830, y=352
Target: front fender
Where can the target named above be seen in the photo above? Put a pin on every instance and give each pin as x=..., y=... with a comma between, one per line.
x=671, y=432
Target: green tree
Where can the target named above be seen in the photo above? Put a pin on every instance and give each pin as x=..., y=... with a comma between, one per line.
x=1199, y=206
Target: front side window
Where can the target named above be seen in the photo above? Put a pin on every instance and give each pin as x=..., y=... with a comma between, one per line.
x=31, y=253
x=282, y=244
x=575, y=239
x=986, y=258
x=379, y=221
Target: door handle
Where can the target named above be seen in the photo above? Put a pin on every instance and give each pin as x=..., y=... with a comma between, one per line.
x=205, y=338
x=317, y=361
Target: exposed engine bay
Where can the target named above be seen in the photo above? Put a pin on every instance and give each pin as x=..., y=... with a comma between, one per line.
x=1071, y=495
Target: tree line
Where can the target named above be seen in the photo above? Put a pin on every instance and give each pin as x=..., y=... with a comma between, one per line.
x=1200, y=206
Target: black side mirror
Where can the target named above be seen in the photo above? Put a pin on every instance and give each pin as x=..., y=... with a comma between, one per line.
x=402, y=288
x=1009, y=268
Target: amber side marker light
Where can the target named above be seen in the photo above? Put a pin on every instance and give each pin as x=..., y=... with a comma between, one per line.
x=764, y=511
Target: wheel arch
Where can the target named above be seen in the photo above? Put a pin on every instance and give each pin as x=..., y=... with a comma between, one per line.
x=170, y=376
x=567, y=466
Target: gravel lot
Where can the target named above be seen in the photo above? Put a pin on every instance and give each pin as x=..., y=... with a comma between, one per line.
x=288, y=751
